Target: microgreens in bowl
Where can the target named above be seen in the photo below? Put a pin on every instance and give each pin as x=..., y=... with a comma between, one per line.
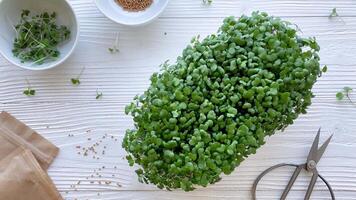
x=38, y=36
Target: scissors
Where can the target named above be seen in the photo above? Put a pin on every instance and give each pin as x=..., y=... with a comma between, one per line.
x=313, y=158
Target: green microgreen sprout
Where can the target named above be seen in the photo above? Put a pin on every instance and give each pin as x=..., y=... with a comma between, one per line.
x=208, y=2
x=203, y=114
x=294, y=24
x=115, y=47
x=29, y=91
x=38, y=36
x=76, y=81
x=344, y=93
x=99, y=95
x=335, y=14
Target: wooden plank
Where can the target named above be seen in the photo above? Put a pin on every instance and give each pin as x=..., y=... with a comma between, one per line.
x=206, y=195
x=98, y=34
x=223, y=8
x=144, y=51
x=60, y=110
x=121, y=84
x=93, y=120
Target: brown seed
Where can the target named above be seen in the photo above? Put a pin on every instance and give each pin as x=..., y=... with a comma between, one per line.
x=134, y=5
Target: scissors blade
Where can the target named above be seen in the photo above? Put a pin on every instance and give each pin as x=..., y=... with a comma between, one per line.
x=314, y=148
x=311, y=185
x=322, y=149
x=291, y=181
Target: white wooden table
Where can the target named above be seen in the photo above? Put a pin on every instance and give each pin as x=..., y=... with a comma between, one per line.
x=60, y=109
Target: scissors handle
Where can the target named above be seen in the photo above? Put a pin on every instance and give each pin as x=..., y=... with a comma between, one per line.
x=316, y=175
x=291, y=181
x=254, y=187
x=311, y=185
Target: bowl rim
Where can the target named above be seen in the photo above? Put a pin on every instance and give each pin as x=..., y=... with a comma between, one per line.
x=63, y=59
x=134, y=24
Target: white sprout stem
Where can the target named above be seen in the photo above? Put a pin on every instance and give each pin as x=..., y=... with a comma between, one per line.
x=81, y=72
x=116, y=44
x=4, y=37
x=39, y=60
x=28, y=82
x=41, y=26
x=28, y=31
x=12, y=25
x=341, y=19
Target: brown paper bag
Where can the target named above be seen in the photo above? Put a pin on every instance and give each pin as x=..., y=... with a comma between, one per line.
x=22, y=178
x=14, y=133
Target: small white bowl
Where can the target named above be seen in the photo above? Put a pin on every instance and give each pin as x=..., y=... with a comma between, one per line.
x=10, y=14
x=112, y=10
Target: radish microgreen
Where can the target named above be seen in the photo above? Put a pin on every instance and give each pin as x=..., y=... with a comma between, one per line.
x=115, y=47
x=29, y=91
x=76, y=81
x=344, y=93
x=38, y=36
x=99, y=95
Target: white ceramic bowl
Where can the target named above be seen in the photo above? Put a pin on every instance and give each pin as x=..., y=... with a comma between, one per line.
x=116, y=13
x=10, y=11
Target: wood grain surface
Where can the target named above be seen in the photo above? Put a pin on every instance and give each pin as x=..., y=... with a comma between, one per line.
x=73, y=119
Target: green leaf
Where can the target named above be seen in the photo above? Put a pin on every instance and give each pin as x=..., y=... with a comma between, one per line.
x=75, y=81
x=99, y=95
x=113, y=50
x=339, y=96
x=333, y=13
x=29, y=92
x=347, y=89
